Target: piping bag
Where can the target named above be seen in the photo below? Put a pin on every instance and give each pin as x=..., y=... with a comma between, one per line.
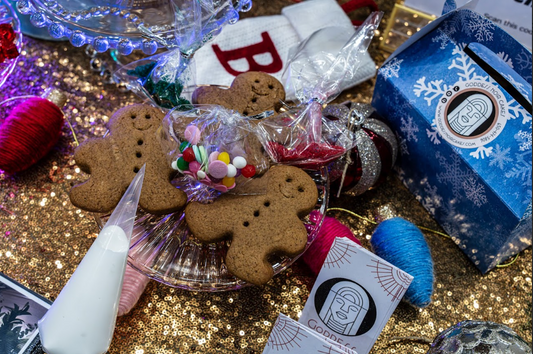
x=82, y=318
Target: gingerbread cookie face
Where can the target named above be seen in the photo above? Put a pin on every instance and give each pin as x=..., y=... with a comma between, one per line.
x=258, y=225
x=114, y=160
x=250, y=94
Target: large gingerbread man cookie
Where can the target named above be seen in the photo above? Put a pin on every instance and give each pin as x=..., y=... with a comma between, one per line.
x=258, y=225
x=250, y=94
x=113, y=161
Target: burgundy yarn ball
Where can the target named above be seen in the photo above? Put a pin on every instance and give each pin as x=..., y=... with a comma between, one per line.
x=28, y=134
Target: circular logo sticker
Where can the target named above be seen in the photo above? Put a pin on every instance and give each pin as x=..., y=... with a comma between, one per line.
x=471, y=114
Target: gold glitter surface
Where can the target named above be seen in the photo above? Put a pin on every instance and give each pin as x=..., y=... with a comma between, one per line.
x=43, y=238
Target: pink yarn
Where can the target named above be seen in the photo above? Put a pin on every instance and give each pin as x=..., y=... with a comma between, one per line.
x=331, y=228
x=132, y=289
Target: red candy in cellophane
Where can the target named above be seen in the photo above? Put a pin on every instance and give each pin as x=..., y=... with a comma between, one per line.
x=374, y=154
x=8, y=48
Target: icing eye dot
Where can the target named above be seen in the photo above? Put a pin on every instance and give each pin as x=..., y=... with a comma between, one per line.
x=288, y=180
x=254, y=100
x=147, y=116
x=256, y=81
x=301, y=189
x=133, y=116
x=135, y=169
x=140, y=142
x=138, y=154
x=256, y=213
x=245, y=113
x=267, y=204
x=271, y=86
x=246, y=224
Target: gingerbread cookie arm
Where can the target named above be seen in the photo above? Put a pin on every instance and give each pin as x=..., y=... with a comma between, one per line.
x=84, y=155
x=210, y=222
x=98, y=165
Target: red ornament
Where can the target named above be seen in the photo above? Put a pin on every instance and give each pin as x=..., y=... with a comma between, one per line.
x=372, y=159
x=248, y=171
x=188, y=155
x=29, y=132
x=310, y=156
x=8, y=48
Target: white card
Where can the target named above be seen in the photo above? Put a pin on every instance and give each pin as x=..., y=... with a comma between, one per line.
x=354, y=296
x=289, y=336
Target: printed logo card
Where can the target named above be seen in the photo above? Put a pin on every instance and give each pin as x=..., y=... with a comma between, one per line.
x=289, y=336
x=354, y=296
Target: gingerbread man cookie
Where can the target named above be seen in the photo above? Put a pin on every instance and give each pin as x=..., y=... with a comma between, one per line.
x=250, y=94
x=113, y=161
x=258, y=225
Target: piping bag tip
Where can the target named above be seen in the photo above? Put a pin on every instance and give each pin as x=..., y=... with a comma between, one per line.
x=124, y=213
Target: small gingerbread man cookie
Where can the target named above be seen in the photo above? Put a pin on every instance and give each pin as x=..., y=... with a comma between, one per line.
x=250, y=94
x=258, y=225
x=113, y=161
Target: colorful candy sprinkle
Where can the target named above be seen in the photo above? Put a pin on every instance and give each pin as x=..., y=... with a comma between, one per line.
x=232, y=171
x=228, y=181
x=188, y=155
x=239, y=162
x=248, y=171
x=182, y=164
x=192, y=134
x=224, y=157
x=218, y=169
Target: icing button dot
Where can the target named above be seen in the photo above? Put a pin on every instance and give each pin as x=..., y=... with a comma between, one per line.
x=239, y=162
x=218, y=169
x=224, y=157
x=192, y=134
x=232, y=171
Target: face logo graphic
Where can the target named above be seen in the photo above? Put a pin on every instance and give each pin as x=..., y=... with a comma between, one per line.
x=345, y=307
x=468, y=112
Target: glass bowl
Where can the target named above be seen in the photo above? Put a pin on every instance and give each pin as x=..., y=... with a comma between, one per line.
x=163, y=248
x=7, y=15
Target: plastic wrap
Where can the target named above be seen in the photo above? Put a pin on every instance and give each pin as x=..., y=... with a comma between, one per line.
x=303, y=136
x=214, y=146
x=161, y=78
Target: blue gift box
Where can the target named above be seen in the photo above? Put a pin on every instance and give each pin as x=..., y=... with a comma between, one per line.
x=458, y=96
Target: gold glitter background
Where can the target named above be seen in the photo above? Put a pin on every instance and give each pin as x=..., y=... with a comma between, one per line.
x=43, y=237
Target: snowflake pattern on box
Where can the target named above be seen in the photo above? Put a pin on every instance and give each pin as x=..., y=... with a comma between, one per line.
x=463, y=182
x=392, y=68
x=500, y=157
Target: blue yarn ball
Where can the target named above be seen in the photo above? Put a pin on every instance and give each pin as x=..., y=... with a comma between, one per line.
x=402, y=244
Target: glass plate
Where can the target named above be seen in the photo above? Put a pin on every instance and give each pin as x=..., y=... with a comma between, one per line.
x=163, y=248
x=7, y=15
x=112, y=24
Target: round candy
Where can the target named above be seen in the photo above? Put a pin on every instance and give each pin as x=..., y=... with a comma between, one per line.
x=224, y=157
x=182, y=164
x=218, y=169
x=213, y=156
x=228, y=181
x=248, y=171
x=188, y=155
x=184, y=146
x=192, y=134
x=239, y=162
x=232, y=171
x=194, y=166
x=201, y=174
x=174, y=165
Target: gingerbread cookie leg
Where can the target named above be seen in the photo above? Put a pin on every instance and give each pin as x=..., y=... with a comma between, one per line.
x=158, y=195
